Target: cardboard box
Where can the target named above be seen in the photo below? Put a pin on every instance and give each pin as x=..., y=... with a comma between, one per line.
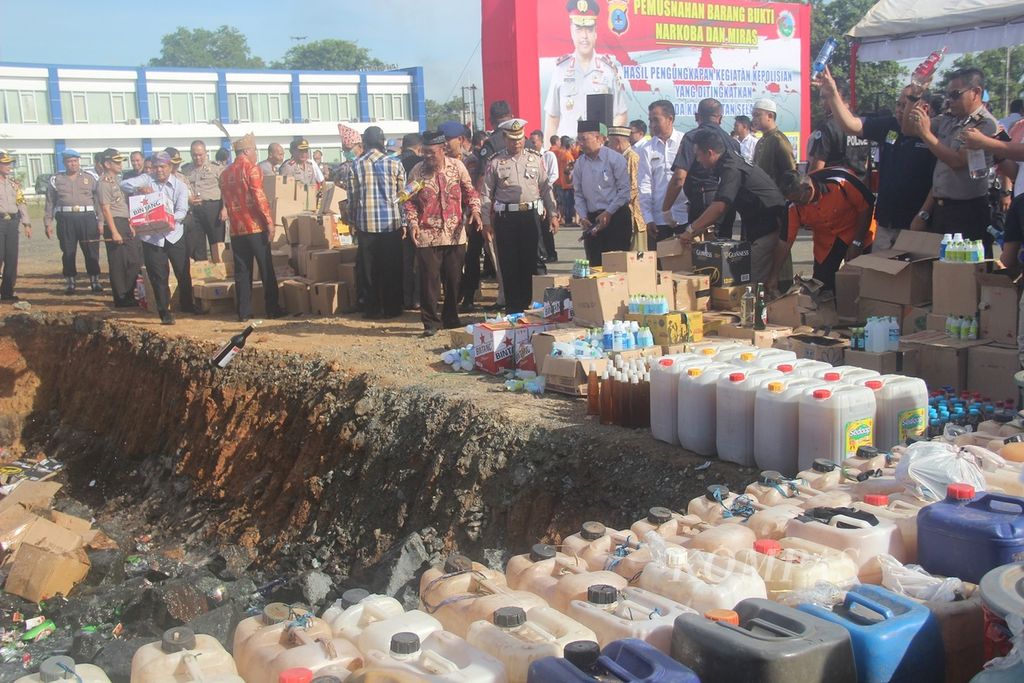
x=326, y=298
x=641, y=269
x=955, y=288
x=666, y=288
x=214, y=290
x=814, y=347
x=764, y=339
x=557, y=305
x=726, y=262
x=282, y=265
x=714, y=320
x=31, y=495
x=495, y=344
x=542, y=282
x=637, y=354
x=38, y=574
x=348, y=252
x=291, y=228
x=886, y=363
x=287, y=197
x=149, y=213
x=727, y=298
x=313, y=231
x=600, y=298
x=459, y=339
x=903, y=274
x=322, y=265
x=207, y=270
x=999, y=309
x=990, y=371
x=673, y=257
x=296, y=297
x=569, y=375
x=301, y=264
x=942, y=361
x=347, y=273
x=798, y=309
x=675, y=327
x=544, y=341
x=848, y=293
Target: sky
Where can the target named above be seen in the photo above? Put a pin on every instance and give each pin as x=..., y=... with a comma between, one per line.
x=442, y=37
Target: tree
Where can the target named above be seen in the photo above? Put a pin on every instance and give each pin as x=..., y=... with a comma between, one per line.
x=329, y=55
x=225, y=48
x=439, y=112
x=1001, y=90
x=878, y=83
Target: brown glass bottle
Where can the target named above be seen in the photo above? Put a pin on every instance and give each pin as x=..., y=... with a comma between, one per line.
x=607, y=390
x=593, y=392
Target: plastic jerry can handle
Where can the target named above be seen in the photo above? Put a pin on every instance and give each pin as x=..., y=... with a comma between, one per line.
x=876, y=607
x=541, y=633
x=656, y=671
x=1009, y=500
x=436, y=664
x=901, y=506
x=852, y=521
x=776, y=630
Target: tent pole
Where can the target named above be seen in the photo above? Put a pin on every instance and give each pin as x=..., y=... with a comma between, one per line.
x=1006, y=85
x=854, y=49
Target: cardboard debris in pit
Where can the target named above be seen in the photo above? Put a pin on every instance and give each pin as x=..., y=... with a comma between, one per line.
x=806, y=304
x=33, y=495
x=14, y=473
x=39, y=573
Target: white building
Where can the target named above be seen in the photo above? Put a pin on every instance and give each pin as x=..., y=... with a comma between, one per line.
x=45, y=109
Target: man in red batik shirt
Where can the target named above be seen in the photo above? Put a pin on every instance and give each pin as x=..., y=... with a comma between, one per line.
x=252, y=227
x=436, y=216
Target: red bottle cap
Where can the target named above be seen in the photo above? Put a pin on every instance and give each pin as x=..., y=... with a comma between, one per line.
x=873, y=384
x=767, y=546
x=724, y=615
x=821, y=393
x=876, y=499
x=832, y=377
x=960, y=491
x=737, y=377
x=785, y=367
x=667, y=362
x=298, y=675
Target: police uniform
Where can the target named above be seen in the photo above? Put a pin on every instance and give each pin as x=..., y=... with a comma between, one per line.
x=124, y=258
x=515, y=188
x=69, y=203
x=831, y=144
x=302, y=171
x=571, y=82
x=204, y=182
x=961, y=202
x=12, y=212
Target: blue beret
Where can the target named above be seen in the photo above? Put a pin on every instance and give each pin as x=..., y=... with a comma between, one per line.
x=451, y=129
x=70, y=154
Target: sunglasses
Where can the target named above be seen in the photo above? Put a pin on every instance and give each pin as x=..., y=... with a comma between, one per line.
x=913, y=98
x=955, y=94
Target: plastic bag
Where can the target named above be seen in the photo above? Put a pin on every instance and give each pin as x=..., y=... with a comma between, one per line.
x=823, y=594
x=927, y=468
x=1015, y=659
x=914, y=582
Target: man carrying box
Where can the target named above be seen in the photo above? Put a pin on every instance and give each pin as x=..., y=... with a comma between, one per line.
x=252, y=228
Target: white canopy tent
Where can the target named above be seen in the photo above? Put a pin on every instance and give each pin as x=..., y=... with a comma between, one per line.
x=906, y=29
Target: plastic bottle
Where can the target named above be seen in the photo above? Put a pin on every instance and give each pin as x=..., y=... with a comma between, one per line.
x=835, y=422
x=181, y=655
x=606, y=416
x=734, y=417
x=747, y=308
x=901, y=409
x=357, y=609
x=760, y=308
x=894, y=335
x=965, y=328
x=796, y=564
x=608, y=336
x=698, y=406
x=777, y=423
x=943, y=245
x=556, y=577
x=517, y=638
x=977, y=164
x=900, y=513
x=65, y=669
x=441, y=656
x=824, y=56
x=629, y=613
x=862, y=536
x=664, y=387
x=922, y=76
x=702, y=581
x=972, y=331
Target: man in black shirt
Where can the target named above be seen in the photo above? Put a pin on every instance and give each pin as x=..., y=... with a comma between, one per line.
x=830, y=146
x=746, y=189
x=905, y=164
x=688, y=176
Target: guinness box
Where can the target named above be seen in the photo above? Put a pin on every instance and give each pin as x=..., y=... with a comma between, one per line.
x=726, y=262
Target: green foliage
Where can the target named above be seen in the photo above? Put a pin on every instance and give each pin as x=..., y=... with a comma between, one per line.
x=225, y=48
x=329, y=55
x=1002, y=90
x=878, y=83
x=439, y=112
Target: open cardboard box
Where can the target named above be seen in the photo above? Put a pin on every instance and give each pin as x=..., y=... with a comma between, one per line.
x=999, y=308
x=903, y=274
x=569, y=375
x=599, y=298
x=640, y=267
x=674, y=257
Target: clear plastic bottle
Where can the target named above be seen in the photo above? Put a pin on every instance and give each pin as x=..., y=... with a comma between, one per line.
x=824, y=56
x=944, y=245
x=965, y=328
x=607, y=336
x=747, y=308
x=894, y=334
x=972, y=330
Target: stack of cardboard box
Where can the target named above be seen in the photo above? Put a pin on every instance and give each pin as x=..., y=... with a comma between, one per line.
x=325, y=284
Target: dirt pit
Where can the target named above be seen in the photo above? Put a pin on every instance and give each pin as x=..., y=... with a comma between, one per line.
x=293, y=476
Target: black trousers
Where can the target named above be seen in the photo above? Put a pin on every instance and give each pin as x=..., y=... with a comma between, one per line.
x=546, y=249
x=380, y=258
x=157, y=260
x=246, y=249
x=616, y=236
x=204, y=226
x=9, y=255
x=74, y=230
x=440, y=269
x=970, y=217
x=123, y=261
x=471, y=268
x=410, y=271
x=516, y=234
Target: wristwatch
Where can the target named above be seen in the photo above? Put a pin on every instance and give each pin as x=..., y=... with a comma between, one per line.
x=923, y=215
x=857, y=243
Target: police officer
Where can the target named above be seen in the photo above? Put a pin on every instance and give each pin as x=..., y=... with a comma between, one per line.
x=299, y=166
x=124, y=250
x=515, y=188
x=69, y=203
x=12, y=211
x=582, y=73
x=207, y=210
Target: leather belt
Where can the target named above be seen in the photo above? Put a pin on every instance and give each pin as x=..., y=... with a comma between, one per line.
x=501, y=207
x=8, y=216
x=74, y=209
x=951, y=202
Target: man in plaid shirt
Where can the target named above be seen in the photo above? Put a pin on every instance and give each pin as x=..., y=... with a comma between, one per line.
x=374, y=185
x=252, y=227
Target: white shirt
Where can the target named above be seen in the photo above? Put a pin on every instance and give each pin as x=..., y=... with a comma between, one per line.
x=175, y=195
x=550, y=165
x=747, y=146
x=655, y=171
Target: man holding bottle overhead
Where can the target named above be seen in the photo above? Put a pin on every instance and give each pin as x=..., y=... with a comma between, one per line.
x=958, y=201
